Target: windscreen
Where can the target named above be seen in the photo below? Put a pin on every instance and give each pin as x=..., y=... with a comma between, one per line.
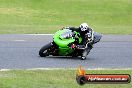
x=67, y=34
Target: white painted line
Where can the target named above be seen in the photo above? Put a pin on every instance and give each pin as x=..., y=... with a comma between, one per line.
x=108, y=68
x=19, y=40
x=40, y=34
x=32, y=69
x=77, y=69
x=5, y=69
x=46, y=69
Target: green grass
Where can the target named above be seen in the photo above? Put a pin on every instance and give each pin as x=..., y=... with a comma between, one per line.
x=53, y=79
x=48, y=16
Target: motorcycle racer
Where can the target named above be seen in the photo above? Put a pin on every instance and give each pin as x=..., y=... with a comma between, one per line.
x=85, y=32
x=71, y=41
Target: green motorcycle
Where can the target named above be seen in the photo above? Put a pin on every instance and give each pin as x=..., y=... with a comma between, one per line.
x=67, y=43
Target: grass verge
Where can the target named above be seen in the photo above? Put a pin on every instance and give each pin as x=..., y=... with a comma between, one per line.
x=47, y=16
x=53, y=79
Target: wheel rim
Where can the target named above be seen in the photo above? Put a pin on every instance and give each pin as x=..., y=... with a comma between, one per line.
x=45, y=52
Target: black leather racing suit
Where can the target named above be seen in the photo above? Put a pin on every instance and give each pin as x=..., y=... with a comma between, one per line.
x=84, y=35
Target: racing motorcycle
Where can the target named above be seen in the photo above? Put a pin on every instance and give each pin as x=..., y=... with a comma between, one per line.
x=65, y=44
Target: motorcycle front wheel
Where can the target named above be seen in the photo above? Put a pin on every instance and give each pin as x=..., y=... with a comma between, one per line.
x=43, y=52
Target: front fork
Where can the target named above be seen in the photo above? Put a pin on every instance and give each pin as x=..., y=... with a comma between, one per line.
x=54, y=49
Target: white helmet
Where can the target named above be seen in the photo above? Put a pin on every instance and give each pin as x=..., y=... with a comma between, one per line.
x=84, y=26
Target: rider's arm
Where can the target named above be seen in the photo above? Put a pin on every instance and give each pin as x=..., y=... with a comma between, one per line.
x=74, y=29
x=88, y=38
x=91, y=34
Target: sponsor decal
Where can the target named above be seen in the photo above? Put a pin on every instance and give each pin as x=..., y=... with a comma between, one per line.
x=83, y=78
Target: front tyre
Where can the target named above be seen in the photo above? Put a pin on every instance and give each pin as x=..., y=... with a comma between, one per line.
x=43, y=52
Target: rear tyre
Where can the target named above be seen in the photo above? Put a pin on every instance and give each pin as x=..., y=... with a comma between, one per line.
x=43, y=52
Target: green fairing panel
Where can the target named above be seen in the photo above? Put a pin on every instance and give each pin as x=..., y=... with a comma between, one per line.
x=80, y=40
x=65, y=51
x=62, y=42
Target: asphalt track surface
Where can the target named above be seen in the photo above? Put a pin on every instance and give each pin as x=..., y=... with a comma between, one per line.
x=21, y=52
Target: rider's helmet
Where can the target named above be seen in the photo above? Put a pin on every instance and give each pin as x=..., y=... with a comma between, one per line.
x=84, y=27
